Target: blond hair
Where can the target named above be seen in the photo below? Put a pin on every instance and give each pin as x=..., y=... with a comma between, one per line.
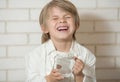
x=63, y=4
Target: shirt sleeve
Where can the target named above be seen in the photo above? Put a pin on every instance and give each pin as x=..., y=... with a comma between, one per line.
x=89, y=68
x=33, y=66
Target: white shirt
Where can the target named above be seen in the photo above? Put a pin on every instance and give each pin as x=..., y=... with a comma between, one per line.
x=40, y=61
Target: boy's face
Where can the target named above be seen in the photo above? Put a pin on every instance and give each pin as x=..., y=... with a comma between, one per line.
x=60, y=24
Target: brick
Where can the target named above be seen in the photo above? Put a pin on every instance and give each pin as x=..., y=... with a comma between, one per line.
x=17, y=27
x=108, y=3
x=14, y=14
x=2, y=27
x=118, y=62
x=86, y=27
x=13, y=39
x=40, y=4
x=118, y=38
x=108, y=74
x=2, y=75
x=91, y=48
x=11, y=63
x=119, y=14
x=96, y=38
x=105, y=62
x=2, y=51
x=23, y=50
x=111, y=26
x=16, y=75
x=84, y=3
x=3, y=3
x=98, y=14
x=35, y=38
x=27, y=3
x=108, y=50
x=107, y=81
x=34, y=14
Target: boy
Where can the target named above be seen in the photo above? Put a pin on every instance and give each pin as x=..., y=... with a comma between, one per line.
x=59, y=21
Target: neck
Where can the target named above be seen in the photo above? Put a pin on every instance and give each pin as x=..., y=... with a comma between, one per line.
x=63, y=46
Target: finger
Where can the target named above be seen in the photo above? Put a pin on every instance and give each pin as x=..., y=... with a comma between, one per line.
x=56, y=74
x=60, y=77
x=55, y=70
x=75, y=58
x=78, y=60
x=79, y=63
x=78, y=66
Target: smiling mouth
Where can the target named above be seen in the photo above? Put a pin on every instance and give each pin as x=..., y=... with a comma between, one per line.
x=62, y=28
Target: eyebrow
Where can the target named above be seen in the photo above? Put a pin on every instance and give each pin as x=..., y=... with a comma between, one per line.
x=64, y=15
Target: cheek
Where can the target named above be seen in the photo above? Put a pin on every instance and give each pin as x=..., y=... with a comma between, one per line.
x=72, y=22
x=51, y=23
x=73, y=25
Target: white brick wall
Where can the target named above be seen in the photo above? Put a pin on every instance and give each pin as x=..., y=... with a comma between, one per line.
x=11, y=63
x=13, y=39
x=98, y=14
x=96, y=38
x=3, y=3
x=109, y=26
x=84, y=3
x=108, y=74
x=14, y=14
x=27, y=3
x=3, y=75
x=16, y=75
x=118, y=62
x=105, y=62
x=108, y=50
x=35, y=38
x=118, y=38
x=108, y=3
x=2, y=51
x=21, y=49
x=16, y=27
x=20, y=32
x=2, y=27
x=34, y=14
x=119, y=14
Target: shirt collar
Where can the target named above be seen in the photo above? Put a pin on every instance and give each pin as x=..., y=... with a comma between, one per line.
x=51, y=48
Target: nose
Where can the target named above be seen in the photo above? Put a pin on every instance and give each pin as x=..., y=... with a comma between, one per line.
x=62, y=20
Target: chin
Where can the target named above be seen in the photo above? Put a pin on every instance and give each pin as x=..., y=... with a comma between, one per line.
x=66, y=39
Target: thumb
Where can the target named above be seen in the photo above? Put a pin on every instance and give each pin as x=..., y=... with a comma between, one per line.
x=75, y=58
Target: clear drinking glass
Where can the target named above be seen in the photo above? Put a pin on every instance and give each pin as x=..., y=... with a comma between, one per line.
x=64, y=64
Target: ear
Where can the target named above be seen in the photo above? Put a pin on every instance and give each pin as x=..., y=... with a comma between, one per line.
x=44, y=29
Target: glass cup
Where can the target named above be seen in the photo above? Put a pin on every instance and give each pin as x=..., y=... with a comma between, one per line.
x=64, y=64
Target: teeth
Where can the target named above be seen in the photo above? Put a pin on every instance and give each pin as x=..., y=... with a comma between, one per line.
x=62, y=28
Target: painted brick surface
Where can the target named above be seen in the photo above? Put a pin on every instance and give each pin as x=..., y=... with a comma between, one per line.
x=3, y=75
x=16, y=27
x=13, y=39
x=2, y=51
x=13, y=14
x=20, y=33
x=109, y=3
x=2, y=27
x=3, y=3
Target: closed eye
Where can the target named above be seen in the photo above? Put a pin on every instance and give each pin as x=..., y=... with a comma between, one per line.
x=68, y=16
x=55, y=18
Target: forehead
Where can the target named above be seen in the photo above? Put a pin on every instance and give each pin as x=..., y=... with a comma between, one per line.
x=57, y=10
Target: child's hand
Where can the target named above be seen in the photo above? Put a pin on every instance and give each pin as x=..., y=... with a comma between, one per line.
x=78, y=67
x=54, y=76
